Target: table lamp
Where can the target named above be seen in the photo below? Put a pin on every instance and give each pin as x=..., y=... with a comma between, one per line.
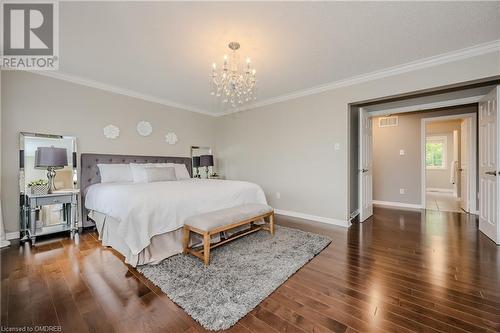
x=51, y=158
x=206, y=161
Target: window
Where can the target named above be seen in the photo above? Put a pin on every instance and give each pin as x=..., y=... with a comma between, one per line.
x=435, y=152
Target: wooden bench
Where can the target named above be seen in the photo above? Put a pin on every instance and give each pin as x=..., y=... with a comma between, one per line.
x=222, y=220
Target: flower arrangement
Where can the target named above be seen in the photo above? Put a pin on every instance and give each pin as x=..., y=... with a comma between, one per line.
x=39, y=186
x=38, y=182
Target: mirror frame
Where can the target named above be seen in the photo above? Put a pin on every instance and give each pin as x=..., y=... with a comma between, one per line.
x=74, y=162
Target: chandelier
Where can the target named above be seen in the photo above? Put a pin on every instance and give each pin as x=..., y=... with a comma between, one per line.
x=234, y=83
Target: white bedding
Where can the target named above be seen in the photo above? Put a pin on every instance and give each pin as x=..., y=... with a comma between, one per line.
x=146, y=210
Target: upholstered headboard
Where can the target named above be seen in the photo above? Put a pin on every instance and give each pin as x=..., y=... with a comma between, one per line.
x=89, y=172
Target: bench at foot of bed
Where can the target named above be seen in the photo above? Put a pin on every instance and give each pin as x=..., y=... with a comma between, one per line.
x=218, y=221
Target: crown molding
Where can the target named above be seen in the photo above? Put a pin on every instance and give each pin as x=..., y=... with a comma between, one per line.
x=440, y=59
x=122, y=91
x=444, y=58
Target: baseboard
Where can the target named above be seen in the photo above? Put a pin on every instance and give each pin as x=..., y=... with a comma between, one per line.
x=397, y=204
x=315, y=218
x=12, y=235
x=441, y=190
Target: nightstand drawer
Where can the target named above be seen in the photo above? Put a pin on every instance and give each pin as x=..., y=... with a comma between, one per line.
x=53, y=200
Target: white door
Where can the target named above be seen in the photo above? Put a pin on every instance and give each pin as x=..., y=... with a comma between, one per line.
x=456, y=186
x=489, y=186
x=464, y=164
x=365, y=166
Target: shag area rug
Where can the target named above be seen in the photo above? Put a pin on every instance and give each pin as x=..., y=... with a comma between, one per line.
x=240, y=275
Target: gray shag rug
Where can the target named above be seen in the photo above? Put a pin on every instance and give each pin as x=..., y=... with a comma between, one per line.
x=240, y=275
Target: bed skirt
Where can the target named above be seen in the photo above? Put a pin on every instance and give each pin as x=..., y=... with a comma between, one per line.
x=161, y=246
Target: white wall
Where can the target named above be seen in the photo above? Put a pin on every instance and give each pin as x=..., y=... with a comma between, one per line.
x=391, y=171
x=35, y=103
x=287, y=147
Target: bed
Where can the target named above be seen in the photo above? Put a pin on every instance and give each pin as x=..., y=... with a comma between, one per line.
x=144, y=221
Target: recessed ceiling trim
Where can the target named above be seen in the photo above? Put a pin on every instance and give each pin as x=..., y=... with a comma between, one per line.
x=118, y=90
x=427, y=106
x=444, y=58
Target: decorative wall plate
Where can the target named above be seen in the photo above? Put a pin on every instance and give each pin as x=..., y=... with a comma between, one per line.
x=171, y=138
x=144, y=128
x=111, y=131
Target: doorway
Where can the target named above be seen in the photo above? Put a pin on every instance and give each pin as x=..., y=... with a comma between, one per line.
x=477, y=183
x=449, y=159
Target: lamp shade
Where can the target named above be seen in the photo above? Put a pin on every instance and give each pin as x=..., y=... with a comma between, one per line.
x=50, y=157
x=206, y=160
x=196, y=161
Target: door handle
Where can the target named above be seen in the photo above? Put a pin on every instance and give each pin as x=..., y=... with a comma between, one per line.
x=364, y=170
x=491, y=173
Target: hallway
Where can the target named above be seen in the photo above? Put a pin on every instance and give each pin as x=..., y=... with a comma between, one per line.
x=442, y=201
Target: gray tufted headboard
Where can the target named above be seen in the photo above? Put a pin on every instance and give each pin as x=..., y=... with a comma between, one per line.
x=89, y=172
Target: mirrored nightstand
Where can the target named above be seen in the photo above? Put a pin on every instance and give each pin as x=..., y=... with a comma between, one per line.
x=45, y=214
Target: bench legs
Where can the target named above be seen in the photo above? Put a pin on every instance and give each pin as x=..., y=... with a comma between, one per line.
x=271, y=223
x=204, y=254
x=185, y=240
x=206, y=248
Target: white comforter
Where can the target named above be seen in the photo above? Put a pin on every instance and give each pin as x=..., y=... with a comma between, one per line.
x=146, y=210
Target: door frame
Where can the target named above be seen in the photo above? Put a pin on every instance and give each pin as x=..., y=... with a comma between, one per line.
x=472, y=193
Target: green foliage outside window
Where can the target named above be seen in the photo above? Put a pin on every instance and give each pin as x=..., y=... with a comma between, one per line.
x=434, y=154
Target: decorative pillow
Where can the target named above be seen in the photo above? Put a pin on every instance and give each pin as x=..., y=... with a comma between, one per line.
x=114, y=173
x=181, y=172
x=155, y=174
x=139, y=170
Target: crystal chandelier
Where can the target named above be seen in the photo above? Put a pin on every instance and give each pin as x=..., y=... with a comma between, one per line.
x=234, y=83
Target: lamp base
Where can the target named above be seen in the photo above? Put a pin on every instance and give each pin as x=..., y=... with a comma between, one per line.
x=51, y=174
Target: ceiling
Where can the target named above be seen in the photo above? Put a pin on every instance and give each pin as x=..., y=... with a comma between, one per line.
x=165, y=49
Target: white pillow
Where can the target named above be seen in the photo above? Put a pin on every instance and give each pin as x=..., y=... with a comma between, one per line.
x=181, y=171
x=155, y=174
x=139, y=170
x=113, y=173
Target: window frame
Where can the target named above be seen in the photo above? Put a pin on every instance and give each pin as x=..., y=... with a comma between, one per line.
x=437, y=139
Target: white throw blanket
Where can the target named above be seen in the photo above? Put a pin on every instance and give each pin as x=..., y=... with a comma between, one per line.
x=146, y=210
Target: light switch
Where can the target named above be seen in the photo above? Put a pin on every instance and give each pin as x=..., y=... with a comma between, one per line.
x=401, y=152
x=336, y=146
x=278, y=195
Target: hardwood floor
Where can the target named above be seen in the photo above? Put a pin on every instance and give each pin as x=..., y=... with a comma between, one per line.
x=402, y=271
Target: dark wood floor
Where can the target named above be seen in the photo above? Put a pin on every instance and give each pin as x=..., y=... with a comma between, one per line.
x=401, y=271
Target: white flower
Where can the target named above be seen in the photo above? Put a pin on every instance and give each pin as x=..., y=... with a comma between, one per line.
x=111, y=132
x=171, y=138
x=144, y=128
